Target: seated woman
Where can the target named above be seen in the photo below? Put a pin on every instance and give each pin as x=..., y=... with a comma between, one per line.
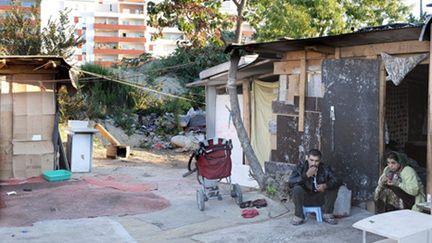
x=399, y=186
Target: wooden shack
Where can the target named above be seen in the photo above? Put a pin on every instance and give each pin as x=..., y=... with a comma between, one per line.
x=28, y=107
x=338, y=94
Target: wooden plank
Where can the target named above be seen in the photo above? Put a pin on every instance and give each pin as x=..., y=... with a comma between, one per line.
x=337, y=53
x=23, y=69
x=246, y=106
x=321, y=49
x=282, y=87
x=429, y=129
x=293, y=88
x=302, y=93
x=314, y=65
x=210, y=111
x=381, y=118
x=297, y=55
x=273, y=137
x=246, y=112
x=2, y=63
x=106, y=134
x=402, y=47
x=286, y=67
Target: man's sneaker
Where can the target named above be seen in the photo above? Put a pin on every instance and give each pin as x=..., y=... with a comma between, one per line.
x=297, y=220
x=329, y=218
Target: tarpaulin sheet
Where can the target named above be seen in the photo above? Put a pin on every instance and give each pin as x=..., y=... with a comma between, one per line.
x=263, y=93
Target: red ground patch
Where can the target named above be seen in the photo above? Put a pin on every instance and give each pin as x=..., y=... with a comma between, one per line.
x=75, y=199
x=119, y=183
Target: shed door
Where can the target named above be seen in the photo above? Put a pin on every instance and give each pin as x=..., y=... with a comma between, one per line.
x=350, y=141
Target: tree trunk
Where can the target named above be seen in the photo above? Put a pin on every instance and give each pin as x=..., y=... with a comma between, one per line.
x=257, y=171
x=239, y=29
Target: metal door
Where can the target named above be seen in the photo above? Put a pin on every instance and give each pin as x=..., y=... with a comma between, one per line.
x=350, y=128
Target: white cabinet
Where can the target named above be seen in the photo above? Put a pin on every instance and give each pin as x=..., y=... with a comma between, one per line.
x=80, y=148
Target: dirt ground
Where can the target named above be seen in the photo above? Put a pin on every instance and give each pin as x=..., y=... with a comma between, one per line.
x=178, y=221
x=166, y=157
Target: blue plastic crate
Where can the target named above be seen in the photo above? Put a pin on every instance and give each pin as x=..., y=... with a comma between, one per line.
x=57, y=175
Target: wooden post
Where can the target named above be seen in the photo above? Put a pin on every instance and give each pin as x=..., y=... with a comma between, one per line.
x=429, y=126
x=246, y=112
x=211, y=111
x=381, y=118
x=246, y=107
x=302, y=93
x=282, y=87
x=337, y=53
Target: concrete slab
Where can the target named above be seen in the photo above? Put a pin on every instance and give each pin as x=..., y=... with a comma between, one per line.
x=100, y=229
x=183, y=222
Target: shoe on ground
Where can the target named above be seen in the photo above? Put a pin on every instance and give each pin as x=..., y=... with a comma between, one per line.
x=330, y=219
x=246, y=204
x=297, y=220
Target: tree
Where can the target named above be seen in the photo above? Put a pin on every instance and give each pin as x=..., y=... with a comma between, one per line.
x=257, y=171
x=274, y=19
x=58, y=36
x=21, y=33
x=200, y=20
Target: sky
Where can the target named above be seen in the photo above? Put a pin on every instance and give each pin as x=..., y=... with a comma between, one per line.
x=416, y=6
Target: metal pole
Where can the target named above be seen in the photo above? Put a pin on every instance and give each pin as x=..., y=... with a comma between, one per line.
x=421, y=9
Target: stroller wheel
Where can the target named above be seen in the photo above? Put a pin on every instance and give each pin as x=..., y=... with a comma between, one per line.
x=200, y=197
x=236, y=193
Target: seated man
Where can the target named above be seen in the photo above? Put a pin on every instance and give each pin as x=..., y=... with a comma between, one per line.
x=399, y=186
x=313, y=184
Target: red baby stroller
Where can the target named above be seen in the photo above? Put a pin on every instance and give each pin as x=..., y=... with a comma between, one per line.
x=213, y=164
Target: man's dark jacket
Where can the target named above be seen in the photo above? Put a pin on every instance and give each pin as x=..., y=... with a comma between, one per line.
x=325, y=175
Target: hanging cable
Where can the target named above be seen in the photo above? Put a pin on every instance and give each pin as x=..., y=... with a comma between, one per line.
x=136, y=85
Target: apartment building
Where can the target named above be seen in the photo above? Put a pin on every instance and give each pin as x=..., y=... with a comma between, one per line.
x=114, y=29
x=6, y=5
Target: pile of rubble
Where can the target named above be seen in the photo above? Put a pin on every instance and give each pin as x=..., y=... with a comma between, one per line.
x=162, y=131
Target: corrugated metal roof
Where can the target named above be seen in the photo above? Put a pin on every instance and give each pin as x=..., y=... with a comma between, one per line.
x=350, y=39
x=42, y=61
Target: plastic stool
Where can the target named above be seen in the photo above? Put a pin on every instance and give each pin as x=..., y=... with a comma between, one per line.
x=316, y=210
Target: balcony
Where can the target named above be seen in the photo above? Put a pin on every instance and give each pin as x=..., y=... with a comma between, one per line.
x=119, y=27
x=131, y=1
x=100, y=51
x=119, y=39
x=105, y=63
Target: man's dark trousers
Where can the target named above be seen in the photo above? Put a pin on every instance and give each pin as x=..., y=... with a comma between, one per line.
x=301, y=197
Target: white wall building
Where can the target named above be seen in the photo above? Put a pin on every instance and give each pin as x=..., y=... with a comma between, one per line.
x=113, y=29
x=117, y=29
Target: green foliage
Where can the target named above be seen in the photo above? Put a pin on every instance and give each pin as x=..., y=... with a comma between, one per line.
x=126, y=120
x=133, y=62
x=200, y=20
x=274, y=19
x=271, y=190
x=72, y=106
x=58, y=36
x=186, y=63
x=106, y=97
x=21, y=33
x=416, y=20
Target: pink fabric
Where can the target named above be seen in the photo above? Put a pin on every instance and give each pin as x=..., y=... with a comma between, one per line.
x=249, y=213
x=114, y=182
x=72, y=200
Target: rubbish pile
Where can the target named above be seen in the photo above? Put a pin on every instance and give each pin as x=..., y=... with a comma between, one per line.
x=163, y=131
x=194, y=120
